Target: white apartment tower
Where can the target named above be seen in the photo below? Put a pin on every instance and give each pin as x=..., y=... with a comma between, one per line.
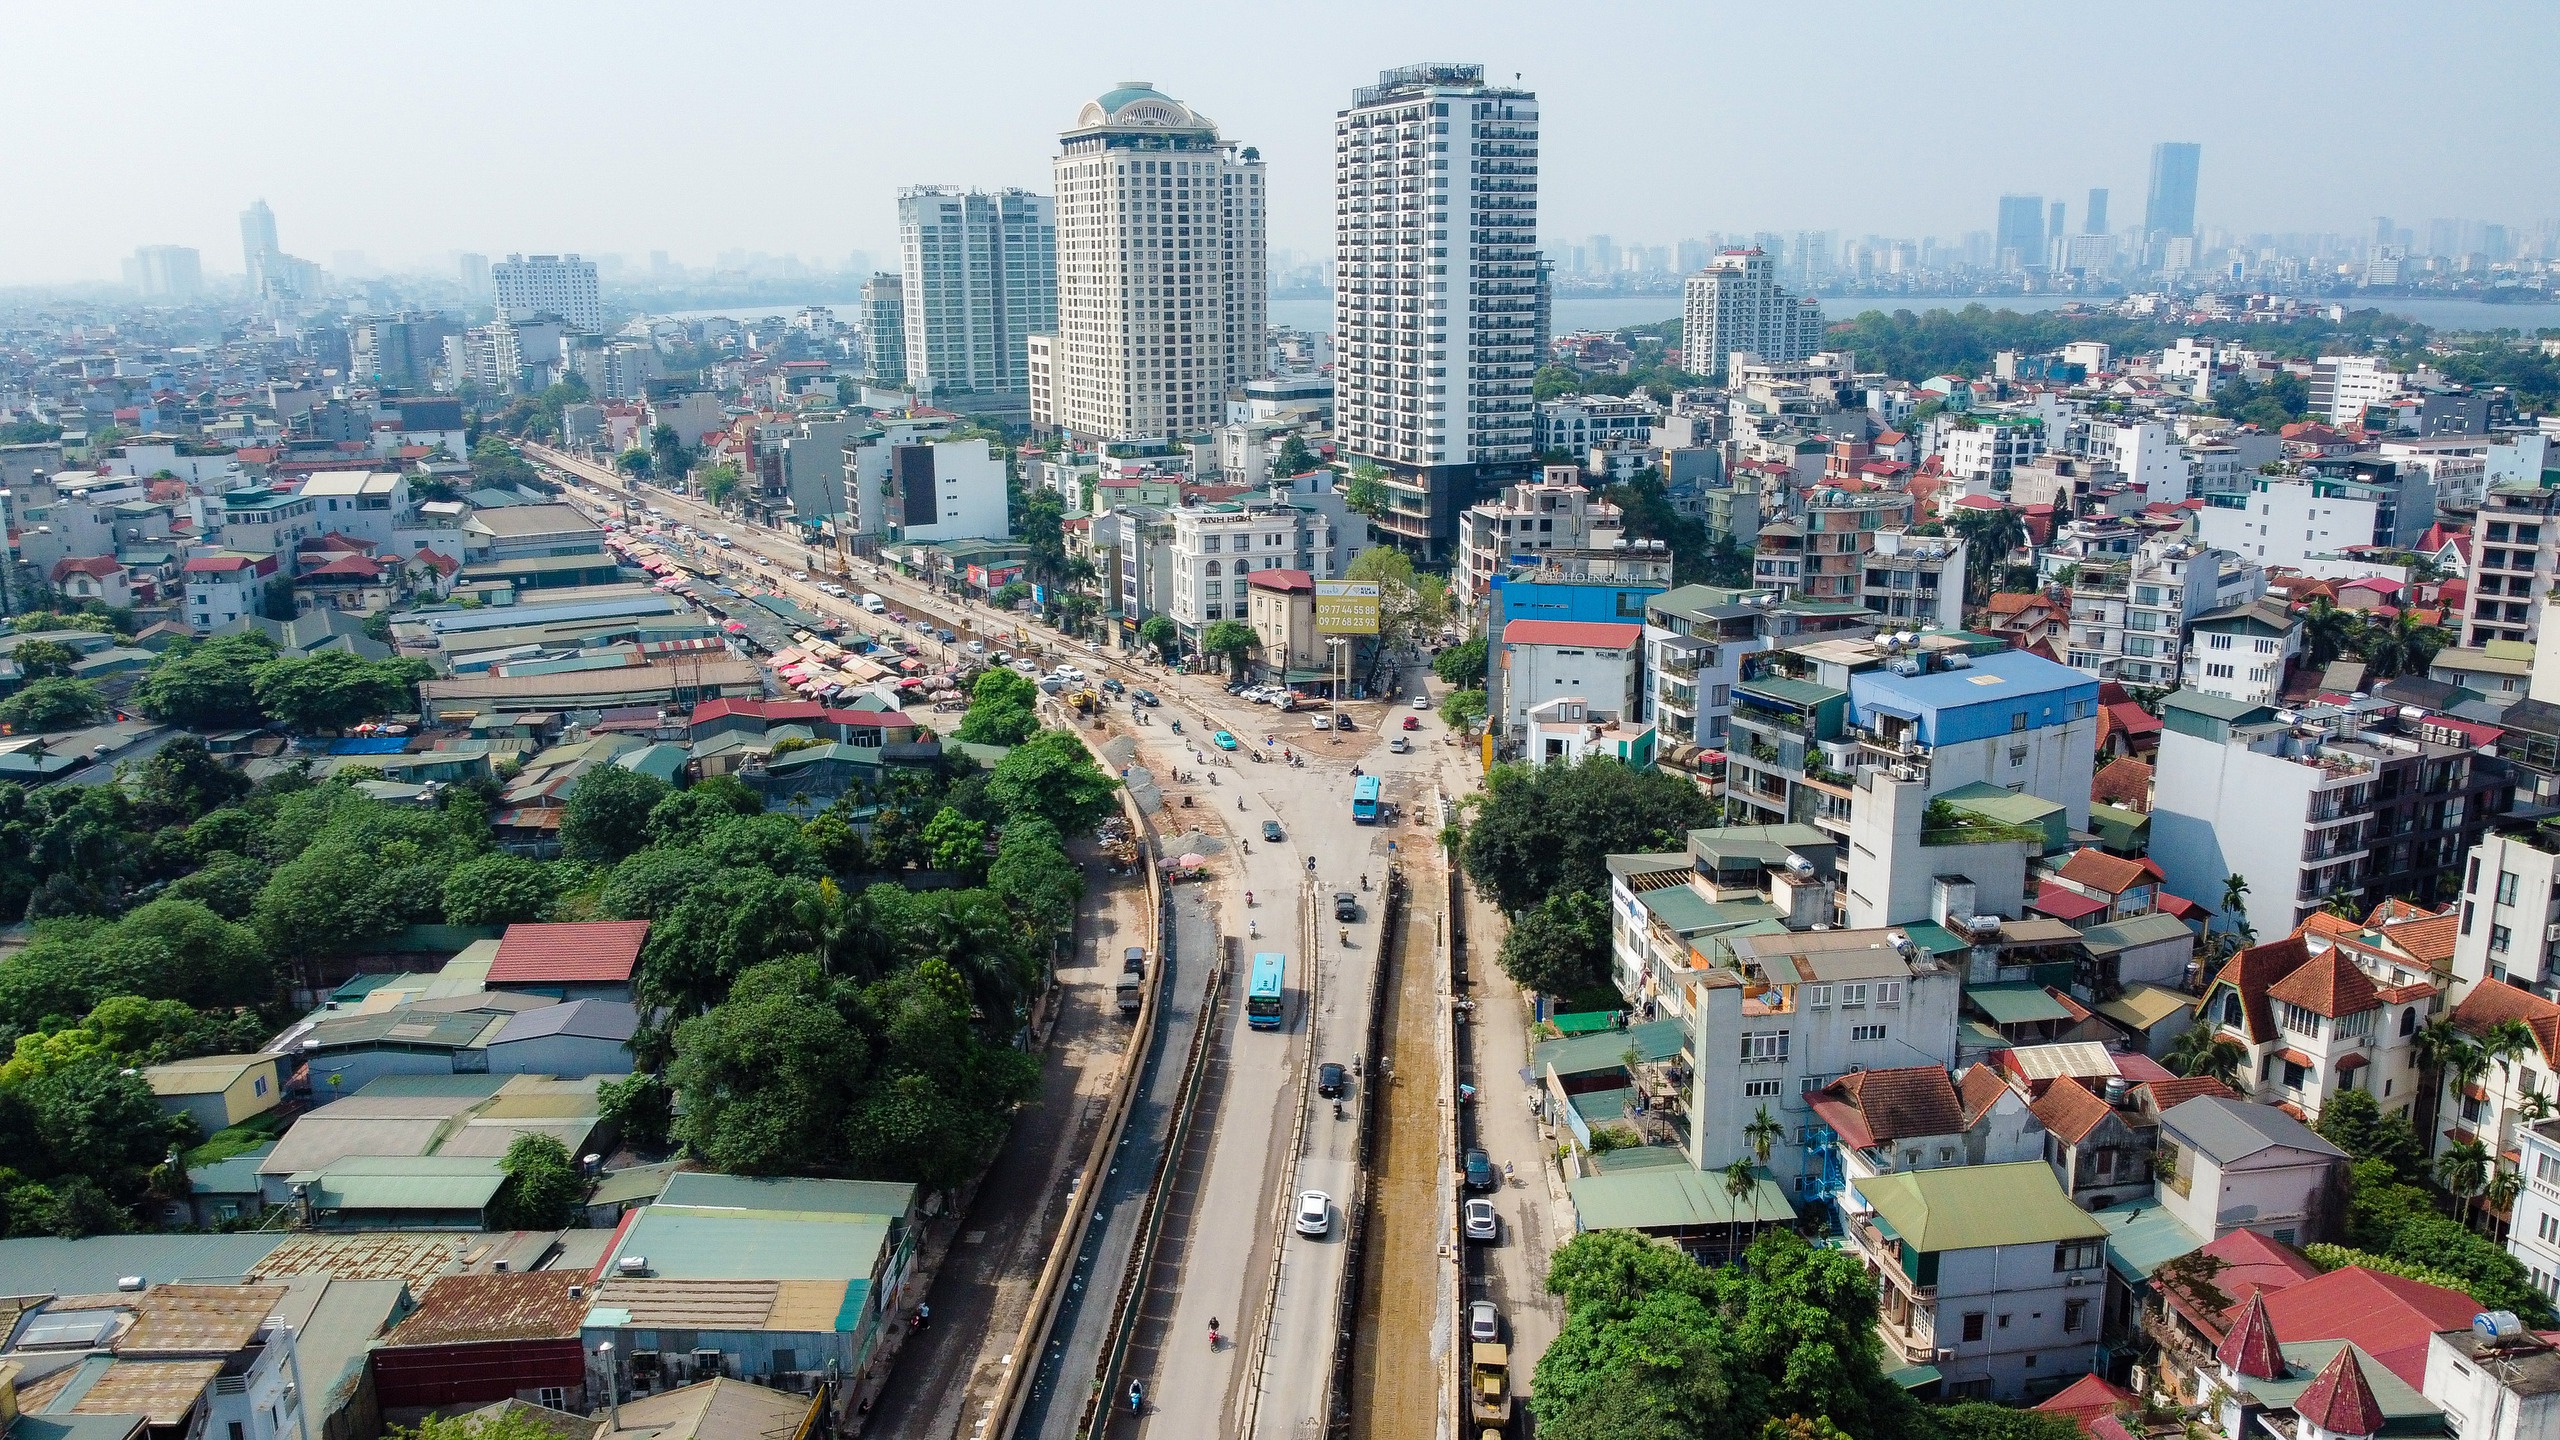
x=1163, y=281
x=562, y=286
x=1737, y=304
x=1437, y=297
x=980, y=278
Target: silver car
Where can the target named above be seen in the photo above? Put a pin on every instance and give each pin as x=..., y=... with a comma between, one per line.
x=1480, y=1221
x=1315, y=1212
x=1484, y=1323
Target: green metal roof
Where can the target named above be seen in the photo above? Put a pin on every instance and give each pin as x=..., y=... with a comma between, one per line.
x=2216, y=706
x=1913, y=1377
x=2118, y=829
x=1801, y=693
x=2002, y=804
x=2016, y=1004
x=1602, y=1107
x=405, y=1182
x=1933, y=937
x=2142, y=1236
x=1687, y=913
x=816, y=1197
x=694, y=1242
x=1661, y=1197
x=1758, y=844
x=1592, y=1054
x=1587, y=1022
x=1972, y=1207
x=666, y=762
x=2152, y=928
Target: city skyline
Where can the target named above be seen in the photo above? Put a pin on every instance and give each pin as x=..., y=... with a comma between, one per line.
x=1611, y=111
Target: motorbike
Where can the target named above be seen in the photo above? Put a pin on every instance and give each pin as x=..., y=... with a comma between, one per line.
x=1137, y=1396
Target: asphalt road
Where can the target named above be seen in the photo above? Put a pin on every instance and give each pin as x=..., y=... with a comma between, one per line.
x=1261, y=1155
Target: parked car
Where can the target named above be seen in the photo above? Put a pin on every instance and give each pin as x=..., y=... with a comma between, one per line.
x=1484, y=1323
x=1343, y=722
x=1399, y=746
x=1324, y=722
x=1112, y=686
x=1480, y=1172
x=1331, y=1080
x=1315, y=1212
x=977, y=647
x=1272, y=832
x=1482, y=1223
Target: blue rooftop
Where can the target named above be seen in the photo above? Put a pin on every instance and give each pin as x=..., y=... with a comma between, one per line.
x=1979, y=701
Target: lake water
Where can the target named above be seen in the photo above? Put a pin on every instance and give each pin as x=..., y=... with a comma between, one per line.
x=1613, y=312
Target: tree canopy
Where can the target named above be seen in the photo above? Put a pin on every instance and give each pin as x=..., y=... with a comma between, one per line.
x=1550, y=829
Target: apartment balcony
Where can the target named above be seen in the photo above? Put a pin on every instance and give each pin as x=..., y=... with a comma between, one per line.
x=1681, y=663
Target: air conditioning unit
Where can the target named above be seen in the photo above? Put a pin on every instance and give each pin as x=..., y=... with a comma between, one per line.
x=2076, y=1280
x=1946, y=1357
x=2550, y=933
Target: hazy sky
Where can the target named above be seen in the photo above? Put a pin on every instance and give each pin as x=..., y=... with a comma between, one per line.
x=412, y=132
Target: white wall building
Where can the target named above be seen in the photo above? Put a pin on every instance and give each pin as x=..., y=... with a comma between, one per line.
x=2148, y=454
x=1436, y=296
x=1596, y=661
x=979, y=277
x=2533, y=1232
x=2290, y=519
x=1163, y=280
x=2342, y=385
x=1215, y=549
x=907, y=484
x=1558, y=512
x=1578, y=422
x=1981, y=454
x=1735, y=304
x=559, y=285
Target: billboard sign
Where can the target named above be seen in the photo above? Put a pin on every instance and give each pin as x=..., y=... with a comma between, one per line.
x=1346, y=607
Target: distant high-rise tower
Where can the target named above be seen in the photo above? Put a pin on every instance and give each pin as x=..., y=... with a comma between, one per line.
x=258, y=244
x=1736, y=304
x=562, y=286
x=979, y=274
x=2020, y=241
x=1163, y=272
x=1436, y=297
x=166, y=272
x=2093, y=219
x=2170, y=209
x=2054, y=225
x=884, y=327
x=474, y=270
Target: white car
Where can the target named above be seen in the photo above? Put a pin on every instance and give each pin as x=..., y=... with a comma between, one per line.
x=1484, y=1323
x=977, y=647
x=1315, y=1212
x=1481, y=1223
x=1069, y=672
x=1324, y=722
x=799, y=574
x=1421, y=701
x=1399, y=746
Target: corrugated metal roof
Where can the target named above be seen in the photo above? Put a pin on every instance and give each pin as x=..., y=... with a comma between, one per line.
x=425, y=1182
x=2147, y=929
x=2144, y=1005
x=535, y=1305
x=198, y=1319
x=1586, y=1054
x=1971, y=1207
x=2018, y=1004
x=683, y=1242
x=706, y=1190
x=1662, y=1197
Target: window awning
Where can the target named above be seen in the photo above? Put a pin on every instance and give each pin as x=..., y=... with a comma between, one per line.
x=2292, y=1056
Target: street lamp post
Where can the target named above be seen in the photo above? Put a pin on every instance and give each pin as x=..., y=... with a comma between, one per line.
x=612, y=1383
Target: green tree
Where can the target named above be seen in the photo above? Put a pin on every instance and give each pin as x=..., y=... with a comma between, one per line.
x=2463, y=1170
x=1560, y=946
x=1551, y=829
x=1366, y=494
x=1233, y=639
x=181, y=783
x=1982, y=1420
x=2401, y=645
x=670, y=460
x=1052, y=776
x=2352, y=1121
x=1002, y=709
x=764, y=1077
x=607, y=814
x=2200, y=1051
x=1034, y=876
x=1464, y=710
x=507, y=1425
x=688, y=815
x=954, y=842
x=1462, y=665
x=96, y=1119
x=719, y=483
x=543, y=1188
x=718, y=931
x=44, y=660
x=1159, y=631
x=497, y=889
x=227, y=884
x=640, y=1106
x=334, y=689
x=207, y=686
x=1294, y=457
x=57, y=704
x=1990, y=537
x=634, y=462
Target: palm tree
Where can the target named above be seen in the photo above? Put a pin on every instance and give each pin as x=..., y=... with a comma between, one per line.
x=2463, y=1170
x=2235, y=898
x=2507, y=1039
x=2499, y=1197
x=1763, y=1132
x=2401, y=646
x=2327, y=631
x=1741, y=1184
x=2436, y=1044
x=2344, y=906
x=2199, y=1051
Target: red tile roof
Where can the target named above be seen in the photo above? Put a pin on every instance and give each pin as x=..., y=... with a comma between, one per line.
x=2252, y=971
x=589, y=951
x=1881, y=1106
x=1286, y=581
x=2109, y=874
x=2329, y=985
x=2250, y=1347
x=2064, y=903
x=2339, y=1400
x=2178, y=1090
x=217, y=564
x=2389, y=1316
x=2125, y=782
x=2492, y=1001
x=2251, y=1264
x=2088, y=1399
x=1596, y=634
x=2069, y=1110
x=1980, y=1087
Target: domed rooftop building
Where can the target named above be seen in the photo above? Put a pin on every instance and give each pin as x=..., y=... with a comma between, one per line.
x=1163, y=299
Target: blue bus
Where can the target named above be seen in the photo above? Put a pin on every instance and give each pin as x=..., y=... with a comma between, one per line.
x=1364, y=801
x=1262, y=1002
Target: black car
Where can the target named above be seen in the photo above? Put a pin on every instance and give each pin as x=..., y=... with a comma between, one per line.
x=1343, y=722
x=1111, y=686
x=1346, y=906
x=1272, y=832
x=1480, y=1172
x=1145, y=697
x=1331, y=1080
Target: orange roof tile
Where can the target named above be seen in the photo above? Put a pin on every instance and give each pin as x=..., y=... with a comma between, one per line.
x=2329, y=985
x=2069, y=1110
x=2251, y=972
x=2109, y=874
x=2491, y=1001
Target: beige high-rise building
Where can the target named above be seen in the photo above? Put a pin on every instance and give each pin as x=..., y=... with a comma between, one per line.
x=1163, y=284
